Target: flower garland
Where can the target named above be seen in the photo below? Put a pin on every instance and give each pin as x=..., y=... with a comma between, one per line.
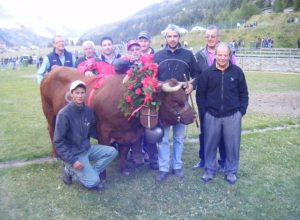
x=140, y=86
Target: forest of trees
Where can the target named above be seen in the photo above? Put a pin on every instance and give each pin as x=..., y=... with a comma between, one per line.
x=188, y=13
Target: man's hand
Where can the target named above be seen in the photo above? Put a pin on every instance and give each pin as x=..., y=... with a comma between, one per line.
x=89, y=73
x=188, y=88
x=78, y=165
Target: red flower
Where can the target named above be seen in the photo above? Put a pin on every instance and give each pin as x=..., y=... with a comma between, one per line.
x=130, y=87
x=148, y=98
x=128, y=99
x=153, y=67
x=146, y=59
x=138, y=91
x=129, y=73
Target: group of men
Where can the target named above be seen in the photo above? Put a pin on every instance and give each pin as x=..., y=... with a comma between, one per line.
x=221, y=94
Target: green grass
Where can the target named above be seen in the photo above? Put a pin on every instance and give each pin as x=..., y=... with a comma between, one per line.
x=23, y=128
x=267, y=187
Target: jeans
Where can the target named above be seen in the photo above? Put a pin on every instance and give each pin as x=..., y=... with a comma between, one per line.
x=230, y=127
x=95, y=160
x=164, y=148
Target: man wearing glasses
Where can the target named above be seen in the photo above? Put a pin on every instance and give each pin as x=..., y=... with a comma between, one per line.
x=58, y=57
x=206, y=58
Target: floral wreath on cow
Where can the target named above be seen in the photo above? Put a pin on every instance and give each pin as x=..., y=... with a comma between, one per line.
x=140, y=86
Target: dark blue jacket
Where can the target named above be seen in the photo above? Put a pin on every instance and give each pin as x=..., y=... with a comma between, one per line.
x=54, y=59
x=73, y=129
x=176, y=64
x=222, y=93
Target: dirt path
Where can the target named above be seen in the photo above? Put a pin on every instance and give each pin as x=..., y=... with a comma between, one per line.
x=275, y=103
x=21, y=163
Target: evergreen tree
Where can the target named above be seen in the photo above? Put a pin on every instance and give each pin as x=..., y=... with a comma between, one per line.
x=278, y=6
x=296, y=4
x=235, y=4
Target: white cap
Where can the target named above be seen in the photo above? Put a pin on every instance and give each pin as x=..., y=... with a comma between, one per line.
x=75, y=84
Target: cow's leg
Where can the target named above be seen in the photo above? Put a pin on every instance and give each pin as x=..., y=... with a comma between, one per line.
x=151, y=149
x=51, y=117
x=137, y=153
x=123, y=151
x=51, y=126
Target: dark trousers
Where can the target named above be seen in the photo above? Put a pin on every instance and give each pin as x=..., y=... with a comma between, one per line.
x=230, y=126
x=221, y=144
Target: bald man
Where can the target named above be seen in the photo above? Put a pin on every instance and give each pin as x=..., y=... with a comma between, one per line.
x=223, y=97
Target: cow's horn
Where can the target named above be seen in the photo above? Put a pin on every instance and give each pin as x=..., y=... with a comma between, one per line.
x=167, y=88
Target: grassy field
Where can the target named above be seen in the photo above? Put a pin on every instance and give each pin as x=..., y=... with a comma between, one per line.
x=267, y=188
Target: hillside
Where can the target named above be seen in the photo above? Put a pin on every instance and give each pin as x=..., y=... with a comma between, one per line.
x=189, y=13
x=155, y=17
x=275, y=25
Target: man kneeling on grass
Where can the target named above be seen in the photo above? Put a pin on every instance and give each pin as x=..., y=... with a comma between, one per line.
x=75, y=124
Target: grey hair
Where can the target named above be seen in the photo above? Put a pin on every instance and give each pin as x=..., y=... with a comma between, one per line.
x=171, y=27
x=88, y=42
x=56, y=36
x=214, y=27
x=223, y=45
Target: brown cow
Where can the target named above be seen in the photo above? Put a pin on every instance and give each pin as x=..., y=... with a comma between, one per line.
x=112, y=126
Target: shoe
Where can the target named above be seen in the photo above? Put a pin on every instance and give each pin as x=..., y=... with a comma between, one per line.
x=162, y=176
x=102, y=176
x=178, y=173
x=100, y=187
x=153, y=166
x=221, y=169
x=200, y=164
x=146, y=157
x=207, y=177
x=125, y=172
x=66, y=175
x=231, y=178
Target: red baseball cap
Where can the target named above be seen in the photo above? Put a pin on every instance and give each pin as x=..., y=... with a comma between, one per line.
x=131, y=43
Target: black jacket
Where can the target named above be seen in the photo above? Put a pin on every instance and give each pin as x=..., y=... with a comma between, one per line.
x=176, y=64
x=73, y=129
x=222, y=93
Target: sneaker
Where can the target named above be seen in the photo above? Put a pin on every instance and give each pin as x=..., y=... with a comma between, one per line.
x=100, y=187
x=200, y=164
x=207, y=177
x=231, y=178
x=178, y=173
x=221, y=169
x=66, y=175
x=162, y=176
